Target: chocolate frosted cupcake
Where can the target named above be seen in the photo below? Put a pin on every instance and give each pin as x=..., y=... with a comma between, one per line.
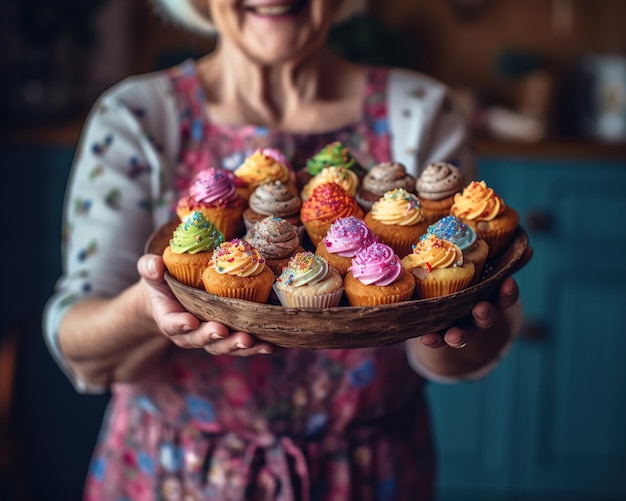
x=276, y=239
x=273, y=199
x=436, y=187
x=381, y=178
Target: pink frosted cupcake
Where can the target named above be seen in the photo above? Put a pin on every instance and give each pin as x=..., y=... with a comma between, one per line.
x=344, y=239
x=377, y=276
x=213, y=193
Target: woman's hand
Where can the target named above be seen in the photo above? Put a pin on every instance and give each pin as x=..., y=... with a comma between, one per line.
x=476, y=340
x=184, y=329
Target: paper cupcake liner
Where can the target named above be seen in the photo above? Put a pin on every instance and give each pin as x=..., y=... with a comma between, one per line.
x=254, y=294
x=376, y=300
x=497, y=241
x=327, y=300
x=187, y=274
x=316, y=233
x=436, y=288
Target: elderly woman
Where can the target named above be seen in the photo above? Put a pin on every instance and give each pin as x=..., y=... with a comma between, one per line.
x=261, y=423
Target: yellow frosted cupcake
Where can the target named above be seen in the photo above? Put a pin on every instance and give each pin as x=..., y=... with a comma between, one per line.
x=237, y=270
x=191, y=248
x=438, y=267
x=474, y=249
x=345, y=178
x=263, y=166
x=479, y=207
x=398, y=221
x=308, y=281
x=376, y=276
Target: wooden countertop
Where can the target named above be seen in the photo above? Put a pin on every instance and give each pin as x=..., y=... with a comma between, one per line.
x=66, y=134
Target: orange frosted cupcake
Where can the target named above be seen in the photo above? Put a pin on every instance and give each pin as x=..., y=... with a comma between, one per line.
x=308, y=281
x=277, y=240
x=376, y=276
x=436, y=187
x=213, y=193
x=479, y=207
x=328, y=202
x=263, y=166
x=344, y=177
x=191, y=248
x=344, y=239
x=438, y=267
x=398, y=220
x=237, y=270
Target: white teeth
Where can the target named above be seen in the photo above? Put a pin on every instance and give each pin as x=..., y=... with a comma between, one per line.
x=272, y=10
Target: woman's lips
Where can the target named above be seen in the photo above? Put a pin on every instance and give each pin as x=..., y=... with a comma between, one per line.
x=273, y=8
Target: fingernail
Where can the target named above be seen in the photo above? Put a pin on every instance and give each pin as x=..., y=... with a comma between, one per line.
x=241, y=346
x=461, y=345
x=215, y=335
x=152, y=266
x=482, y=313
x=265, y=351
x=186, y=328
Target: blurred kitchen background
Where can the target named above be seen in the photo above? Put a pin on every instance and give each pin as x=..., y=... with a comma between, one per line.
x=544, y=86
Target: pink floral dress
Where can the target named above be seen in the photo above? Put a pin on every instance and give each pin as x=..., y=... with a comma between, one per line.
x=331, y=425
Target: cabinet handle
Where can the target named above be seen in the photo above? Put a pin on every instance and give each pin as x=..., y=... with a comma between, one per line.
x=539, y=221
x=534, y=330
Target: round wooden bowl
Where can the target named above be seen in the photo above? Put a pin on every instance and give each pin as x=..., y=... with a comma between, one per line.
x=342, y=326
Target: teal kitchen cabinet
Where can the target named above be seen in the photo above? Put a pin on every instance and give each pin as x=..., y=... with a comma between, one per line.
x=548, y=422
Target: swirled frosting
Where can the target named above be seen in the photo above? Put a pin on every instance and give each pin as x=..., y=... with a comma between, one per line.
x=305, y=268
x=453, y=230
x=348, y=235
x=213, y=186
x=387, y=176
x=477, y=202
x=237, y=257
x=345, y=178
x=328, y=202
x=259, y=167
x=334, y=154
x=376, y=264
x=433, y=252
x=274, y=199
x=398, y=207
x=195, y=234
x=439, y=180
x=277, y=155
x=274, y=237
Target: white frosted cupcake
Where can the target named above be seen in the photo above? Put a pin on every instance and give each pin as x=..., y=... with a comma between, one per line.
x=308, y=281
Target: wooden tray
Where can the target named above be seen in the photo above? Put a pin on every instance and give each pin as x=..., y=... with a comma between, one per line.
x=342, y=326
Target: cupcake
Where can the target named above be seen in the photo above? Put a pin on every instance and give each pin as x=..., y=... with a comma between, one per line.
x=191, y=248
x=376, y=276
x=454, y=230
x=308, y=281
x=397, y=220
x=328, y=202
x=276, y=239
x=263, y=166
x=345, y=237
x=479, y=207
x=273, y=199
x=436, y=187
x=334, y=154
x=213, y=193
x=381, y=178
x=438, y=267
x=237, y=270
x=345, y=178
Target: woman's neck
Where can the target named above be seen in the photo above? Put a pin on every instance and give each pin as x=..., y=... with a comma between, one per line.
x=288, y=96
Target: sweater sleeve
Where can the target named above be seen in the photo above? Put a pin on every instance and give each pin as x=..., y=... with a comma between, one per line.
x=116, y=195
